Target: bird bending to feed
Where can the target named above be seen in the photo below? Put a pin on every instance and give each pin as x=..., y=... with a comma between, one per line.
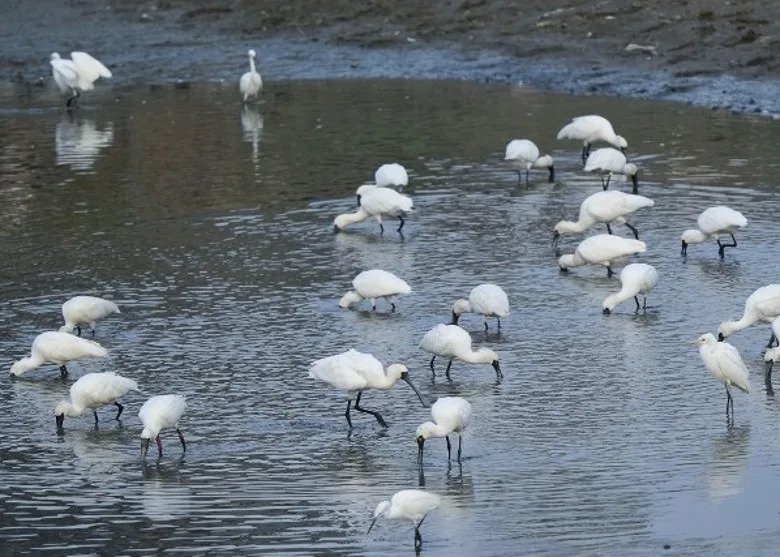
x=609, y=161
x=524, y=155
x=375, y=284
x=159, y=413
x=93, y=391
x=590, y=129
x=77, y=74
x=725, y=364
x=376, y=202
x=773, y=353
x=85, y=310
x=761, y=305
x=450, y=414
x=408, y=504
x=250, y=83
x=57, y=348
x=454, y=343
x=603, y=249
x=635, y=279
x=355, y=372
x=603, y=207
x=714, y=221
x=488, y=300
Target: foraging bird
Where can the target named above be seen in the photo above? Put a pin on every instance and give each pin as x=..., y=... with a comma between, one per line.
x=159, y=413
x=524, y=155
x=635, y=279
x=724, y=363
x=355, y=372
x=250, y=83
x=761, y=305
x=85, y=310
x=93, y=391
x=375, y=284
x=408, y=504
x=77, y=74
x=773, y=353
x=603, y=249
x=57, y=348
x=714, y=221
x=609, y=161
x=391, y=174
x=590, y=129
x=376, y=202
x=488, y=300
x=603, y=207
x=454, y=343
x=450, y=414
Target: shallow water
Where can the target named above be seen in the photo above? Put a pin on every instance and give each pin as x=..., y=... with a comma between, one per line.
x=211, y=226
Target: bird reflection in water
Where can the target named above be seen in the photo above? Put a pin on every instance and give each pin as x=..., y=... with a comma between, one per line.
x=252, y=123
x=78, y=142
x=728, y=464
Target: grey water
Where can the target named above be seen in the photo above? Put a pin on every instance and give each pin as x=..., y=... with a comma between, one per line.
x=211, y=226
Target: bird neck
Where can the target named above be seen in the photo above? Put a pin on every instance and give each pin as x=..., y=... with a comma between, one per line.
x=571, y=227
x=252, y=64
x=351, y=218
x=350, y=298
x=475, y=357
x=26, y=364
x=626, y=292
x=694, y=236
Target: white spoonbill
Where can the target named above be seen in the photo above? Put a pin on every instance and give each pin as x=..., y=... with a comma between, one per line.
x=250, y=83
x=77, y=74
x=488, y=300
x=92, y=391
x=725, y=364
x=602, y=249
x=377, y=202
x=375, y=284
x=159, y=413
x=603, y=207
x=85, y=310
x=454, y=343
x=635, y=279
x=412, y=505
x=57, y=348
x=590, y=129
x=524, y=155
x=714, y=221
x=609, y=161
x=761, y=305
x=451, y=414
x=355, y=372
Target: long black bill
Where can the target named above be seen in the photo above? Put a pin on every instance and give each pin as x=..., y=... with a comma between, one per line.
x=60, y=419
x=373, y=521
x=552, y=175
x=423, y=400
x=358, y=200
x=455, y=317
x=556, y=237
x=420, y=444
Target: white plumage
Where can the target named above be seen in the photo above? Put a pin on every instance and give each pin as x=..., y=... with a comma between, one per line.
x=374, y=284
x=635, y=279
x=93, y=391
x=524, y=155
x=391, y=174
x=590, y=129
x=609, y=161
x=454, y=343
x=85, y=310
x=250, y=83
x=714, y=222
x=724, y=363
x=487, y=300
x=377, y=202
x=761, y=305
x=157, y=414
x=77, y=74
x=57, y=348
x=412, y=505
x=603, y=249
x=450, y=415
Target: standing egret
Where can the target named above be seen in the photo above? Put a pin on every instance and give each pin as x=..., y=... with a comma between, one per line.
x=85, y=310
x=375, y=284
x=603, y=249
x=450, y=414
x=488, y=300
x=77, y=74
x=609, y=161
x=159, y=413
x=93, y=391
x=590, y=129
x=761, y=305
x=636, y=278
x=714, y=221
x=355, y=372
x=454, y=343
x=57, y=348
x=524, y=155
x=725, y=364
x=408, y=504
x=250, y=83
x=377, y=202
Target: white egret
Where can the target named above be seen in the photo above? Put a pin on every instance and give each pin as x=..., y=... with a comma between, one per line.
x=86, y=310
x=250, y=83
x=635, y=279
x=451, y=414
x=412, y=505
x=763, y=305
x=725, y=364
x=714, y=221
x=77, y=74
x=454, y=343
x=609, y=161
x=375, y=284
x=377, y=202
x=93, y=391
x=590, y=129
x=355, y=372
x=524, y=155
x=488, y=300
x=603, y=249
x=57, y=348
x=157, y=414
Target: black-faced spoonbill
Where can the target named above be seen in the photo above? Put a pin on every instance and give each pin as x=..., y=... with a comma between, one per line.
x=85, y=310
x=609, y=161
x=412, y=505
x=450, y=415
x=714, y=221
x=159, y=413
x=590, y=129
x=454, y=343
x=250, y=83
x=763, y=305
x=488, y=300
x=635, y=279
x=77, y=74
x=376, y=202
x=602, y=249
x=725, y=364
x=355, y=372
x=375, y=284
x=524, y=155
x=93, y=391
x=57, y=348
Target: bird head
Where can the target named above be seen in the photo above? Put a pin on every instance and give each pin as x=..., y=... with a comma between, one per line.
x=707, y=338
x=252, y=53
x=726, y=329
x=349, y=298
x=380, y=511
x=621, y=143
x=458, y=307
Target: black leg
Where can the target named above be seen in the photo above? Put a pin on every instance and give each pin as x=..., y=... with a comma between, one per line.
x=392, y=307
x=120, y=410
x=381, y=228
x=722, y=247
x=527, y=172
x=460, y=443
x=181, y=438
x=729, y=402
x=636, y=299
x=486, y=326
x=604, y=186
x=768, y=379
x=585, y=153
x=499, y=323
x=96, y=416
x=447, y=373
x=519, y=177
x=634, y=230
x=431, y=364
x=449, y=446
x=417, y=538
x=63, y=371
x=402, y=223
x=159, y=446
x=772, y=340
x=644, y=303
x=378, y=417
x=609, y=229
x=349, y=420
x=610, y=272
x=78, y=330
